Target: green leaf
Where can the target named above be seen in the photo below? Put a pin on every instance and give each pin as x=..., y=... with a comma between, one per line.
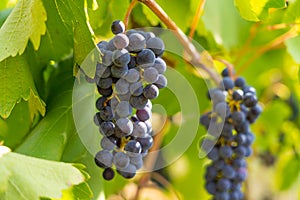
x=256, y=10
x=293, y=47
x=27, y=21
x=15, y=73
x=48, y=139
x=291, y=173
x=217, y=18
x=24, y=177
x=11, y=134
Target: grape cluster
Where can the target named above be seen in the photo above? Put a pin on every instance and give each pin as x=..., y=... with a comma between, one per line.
x=129, y=76
x=229, y=142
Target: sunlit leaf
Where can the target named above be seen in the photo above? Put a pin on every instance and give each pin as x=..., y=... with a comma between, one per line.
x=27, y=21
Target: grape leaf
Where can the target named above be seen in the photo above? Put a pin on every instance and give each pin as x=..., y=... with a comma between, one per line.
x=48, y=139
x=15, y=73
x=27, y=21
x=24, y=177
x=291, y=173
x=293, y=47
x=20, y=115
x=256, y=10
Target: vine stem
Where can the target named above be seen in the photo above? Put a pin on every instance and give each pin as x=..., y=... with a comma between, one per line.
x=271, y=45
x=128, y=12
x=196, y=18
x=195, y=57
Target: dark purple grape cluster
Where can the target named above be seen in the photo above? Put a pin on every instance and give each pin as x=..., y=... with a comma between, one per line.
x=229, y=138
x=129, y=76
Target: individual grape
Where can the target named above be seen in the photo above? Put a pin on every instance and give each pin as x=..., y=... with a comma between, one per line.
x=238, y=117
x=225, y=152
x=138, y=102
x=211, y=173
x=132, y=62
x=107, y=58
x=151, y=91
x=241, y=175
x=143, y=114
x=240, y=82
x=227, y=83
x=121, y=160
x=107, y=128
x=124, y=97
x=102, y=71
x=111, y=46
x=121, y=41
x=137, y=161
x=124, y=109
x=131, y=31
x=213, y=154
x=104, y=159
x=146, y=142
x=128, y=172
x=161, y=81
x=136, y=89
x=240, y=139
x=239, y=163
x=117, y=27
x=225, y=72
x=238, y=95
x=106, y=114
x=149, y=126
x=149, y=35
x=121, y=57
x=97, y=119
x=240, y=151
x=219, y=164
x=125, y=125
x=211, y=187
x=105, y=92
x=137, y=42
x=107, y=144
x=228, y=172
x=118, y=72
x=222, y=196
x=132, y=76
x=100, y=102
x=236, y=195
x=150, y=75
x=223, y=184
x=145, y=58
x=156, y=45
x=250, y=100
x=133, y=148
x=139, y=129
x=104, y=83
x=122, y=86
x=221, y=109
x=102, y=45
x=249, y=89
x=160, y=65
x=217, y=96
x=108, y=174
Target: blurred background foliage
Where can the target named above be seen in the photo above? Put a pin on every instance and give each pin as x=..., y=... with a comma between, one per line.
x=261, y=39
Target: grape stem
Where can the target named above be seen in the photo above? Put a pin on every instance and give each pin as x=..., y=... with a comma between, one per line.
x=196, y=18
x=129, y=10
x=195, y=57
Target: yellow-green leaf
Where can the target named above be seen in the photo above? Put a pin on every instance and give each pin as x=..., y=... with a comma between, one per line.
x=27, y=21
x=24, y=177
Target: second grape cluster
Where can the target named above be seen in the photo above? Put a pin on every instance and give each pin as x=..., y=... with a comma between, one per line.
x=129, y=76
x=229, y=138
